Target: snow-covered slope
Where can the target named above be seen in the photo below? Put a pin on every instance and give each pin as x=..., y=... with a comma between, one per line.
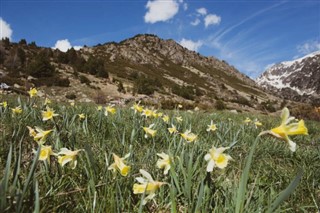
x=300, y=77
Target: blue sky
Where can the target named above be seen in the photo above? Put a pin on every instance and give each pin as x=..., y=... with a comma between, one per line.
x=249, y=35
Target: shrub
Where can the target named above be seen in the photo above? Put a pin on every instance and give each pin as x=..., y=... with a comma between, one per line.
x=71, y=96
x=84, y=80
x=40, y=67
x=220, y=105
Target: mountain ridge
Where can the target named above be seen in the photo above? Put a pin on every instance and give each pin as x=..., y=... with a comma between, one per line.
x=142, y=66
x=296, y=80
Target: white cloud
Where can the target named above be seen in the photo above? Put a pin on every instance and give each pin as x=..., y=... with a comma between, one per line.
x=191, y=45
x=212, y=19
x=5, y=29
x=202, y=11
x=309, y=47
x=159, y=10
x=195, y=22
x=64, y=44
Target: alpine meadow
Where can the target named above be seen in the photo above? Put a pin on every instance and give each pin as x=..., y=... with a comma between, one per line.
x=92, y=158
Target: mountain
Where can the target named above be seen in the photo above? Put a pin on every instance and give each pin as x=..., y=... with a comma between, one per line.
x=144, y=66
x=297, y=80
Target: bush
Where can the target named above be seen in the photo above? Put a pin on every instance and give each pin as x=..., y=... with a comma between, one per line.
x=84, y=80
x=186, y=92
x=147, y=86
x=220, y=105
x=268, y=105
x=40, y=67
x=71, y=96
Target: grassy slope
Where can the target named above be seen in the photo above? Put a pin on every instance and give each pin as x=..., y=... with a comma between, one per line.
x=91, y=187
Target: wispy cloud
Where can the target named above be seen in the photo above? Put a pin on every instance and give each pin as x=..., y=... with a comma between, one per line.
x=159, y=10
x=229, y=29
x=5, y=29
x=196, y=22
x=309, y=46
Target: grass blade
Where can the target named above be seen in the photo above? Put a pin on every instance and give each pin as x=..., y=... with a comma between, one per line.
x=241, y=193
x=286, y=193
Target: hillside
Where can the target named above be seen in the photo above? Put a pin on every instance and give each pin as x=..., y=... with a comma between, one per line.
x=143, y=67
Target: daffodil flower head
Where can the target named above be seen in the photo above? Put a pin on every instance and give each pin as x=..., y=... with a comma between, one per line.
x=45, y=153
x=81, y=116
x=212, y=127
x=147, y=113
x=179, y=119
x=4, y=104
x=119, y=164
x=149, y=131
x=66, y=156
x=257, y=123
x=196, y=109
x=99, y=108
x=47, y=101
x=180, y=106
x=137, y=108
x=41, y=135
x=147, y=185
x=48, y=114
x=216, y=158
x=172, y=129
x=164, y=163
x=287, y=128
x=189, y=136
x=33, y=92
x=110, y=109
x=17, y=110
x=165, y=118
x=247, y=120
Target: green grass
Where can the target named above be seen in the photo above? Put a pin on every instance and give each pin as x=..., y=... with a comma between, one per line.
x=254, y=181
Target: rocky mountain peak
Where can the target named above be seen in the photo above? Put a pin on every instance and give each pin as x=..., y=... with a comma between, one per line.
x=297, y=79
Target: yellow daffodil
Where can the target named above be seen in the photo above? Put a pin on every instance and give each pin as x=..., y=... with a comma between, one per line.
x=48, y=114
x=157, y=115
x=147, y=185
x=110, y=109
x=33, y=92
x=82, y=116
x=99, y=108
x=47, y=101
x=285, y=129
x=40, y=136
x=147, y=113
x=164, y=163
x=165, y=118
x=137, y=108
x=248, y=120
x=17, y=110
x=180, y=106
x=72, y=103
x=32, y=132
x=179, y=119
x=45, y=153
x=217, y=158
x=212, y=127
x=119, y=164
x=4, y=104
x=257, y=123
x=172, y=129
x=189, y=136
x=149, y=131
x=68, y=156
